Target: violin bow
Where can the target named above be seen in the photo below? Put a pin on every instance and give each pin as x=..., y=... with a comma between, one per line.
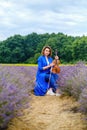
x=56, y=52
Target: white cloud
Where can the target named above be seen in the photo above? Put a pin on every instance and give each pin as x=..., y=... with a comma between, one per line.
x=40, y=16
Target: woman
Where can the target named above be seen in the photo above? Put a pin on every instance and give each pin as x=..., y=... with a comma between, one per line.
x=43, y=73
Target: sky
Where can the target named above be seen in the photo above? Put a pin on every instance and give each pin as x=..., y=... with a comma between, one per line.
x=42, y=16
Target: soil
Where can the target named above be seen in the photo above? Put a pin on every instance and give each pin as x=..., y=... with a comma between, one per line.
x=50, y=113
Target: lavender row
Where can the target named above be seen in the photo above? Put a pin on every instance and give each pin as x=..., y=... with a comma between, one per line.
x=73, y=82
x=15, y=86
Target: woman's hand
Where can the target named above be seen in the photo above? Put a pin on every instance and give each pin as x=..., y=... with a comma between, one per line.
x=56, y=57
x=48, y=66
x=52, y=64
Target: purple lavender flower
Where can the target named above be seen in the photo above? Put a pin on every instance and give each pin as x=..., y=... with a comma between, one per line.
x=15, y=86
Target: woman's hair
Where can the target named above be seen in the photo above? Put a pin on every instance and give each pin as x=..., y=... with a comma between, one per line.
x=45, y=48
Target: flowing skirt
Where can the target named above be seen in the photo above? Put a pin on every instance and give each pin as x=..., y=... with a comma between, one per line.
x=41, y=86
x=44, y=82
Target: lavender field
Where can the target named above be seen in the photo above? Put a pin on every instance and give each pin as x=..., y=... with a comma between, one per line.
x=16, y=83
x=15, y=86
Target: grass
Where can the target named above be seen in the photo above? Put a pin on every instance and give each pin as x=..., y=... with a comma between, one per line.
x=18, y=64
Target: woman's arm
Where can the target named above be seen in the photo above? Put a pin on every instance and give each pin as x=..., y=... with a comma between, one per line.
x=48, y=66
x=40, y=64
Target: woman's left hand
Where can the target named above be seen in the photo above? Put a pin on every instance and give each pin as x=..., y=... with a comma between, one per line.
x=56, y=57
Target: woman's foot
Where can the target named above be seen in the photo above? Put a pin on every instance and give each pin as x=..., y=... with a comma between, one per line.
x=50, y=92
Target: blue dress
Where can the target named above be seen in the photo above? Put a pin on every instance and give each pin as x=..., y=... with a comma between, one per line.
x=41, y=86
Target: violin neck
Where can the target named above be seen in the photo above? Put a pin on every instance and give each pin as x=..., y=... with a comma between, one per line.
x=56, y=52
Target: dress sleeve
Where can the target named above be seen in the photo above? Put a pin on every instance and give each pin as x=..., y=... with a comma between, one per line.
x=40, y=64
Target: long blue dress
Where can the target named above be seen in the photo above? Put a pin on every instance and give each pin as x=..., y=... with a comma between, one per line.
x=41, y=85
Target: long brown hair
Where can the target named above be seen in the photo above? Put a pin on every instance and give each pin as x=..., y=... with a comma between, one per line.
x=45, y=48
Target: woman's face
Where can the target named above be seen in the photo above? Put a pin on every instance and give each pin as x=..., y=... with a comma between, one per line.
x=47, y=52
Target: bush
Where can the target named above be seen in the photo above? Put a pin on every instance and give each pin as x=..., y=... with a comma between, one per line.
x=73, y=82
x=15, y=85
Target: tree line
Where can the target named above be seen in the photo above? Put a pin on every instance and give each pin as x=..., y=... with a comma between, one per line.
x=26, y=49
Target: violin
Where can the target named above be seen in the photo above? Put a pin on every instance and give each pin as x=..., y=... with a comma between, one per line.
x=56, y=68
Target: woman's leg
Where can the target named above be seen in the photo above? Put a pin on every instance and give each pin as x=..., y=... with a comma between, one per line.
x=50, y=90
x=54, y=85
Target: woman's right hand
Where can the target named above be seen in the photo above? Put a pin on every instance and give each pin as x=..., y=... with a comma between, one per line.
x=52, y=64
x=48, y=66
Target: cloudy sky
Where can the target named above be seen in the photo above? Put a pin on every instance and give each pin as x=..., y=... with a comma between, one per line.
x=42, y=16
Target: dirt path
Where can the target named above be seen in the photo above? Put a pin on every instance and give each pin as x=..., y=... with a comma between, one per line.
x=49, y=113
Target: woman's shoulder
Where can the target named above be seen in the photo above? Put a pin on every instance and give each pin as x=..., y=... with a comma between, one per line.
x=40, y=57
x=43, y=57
